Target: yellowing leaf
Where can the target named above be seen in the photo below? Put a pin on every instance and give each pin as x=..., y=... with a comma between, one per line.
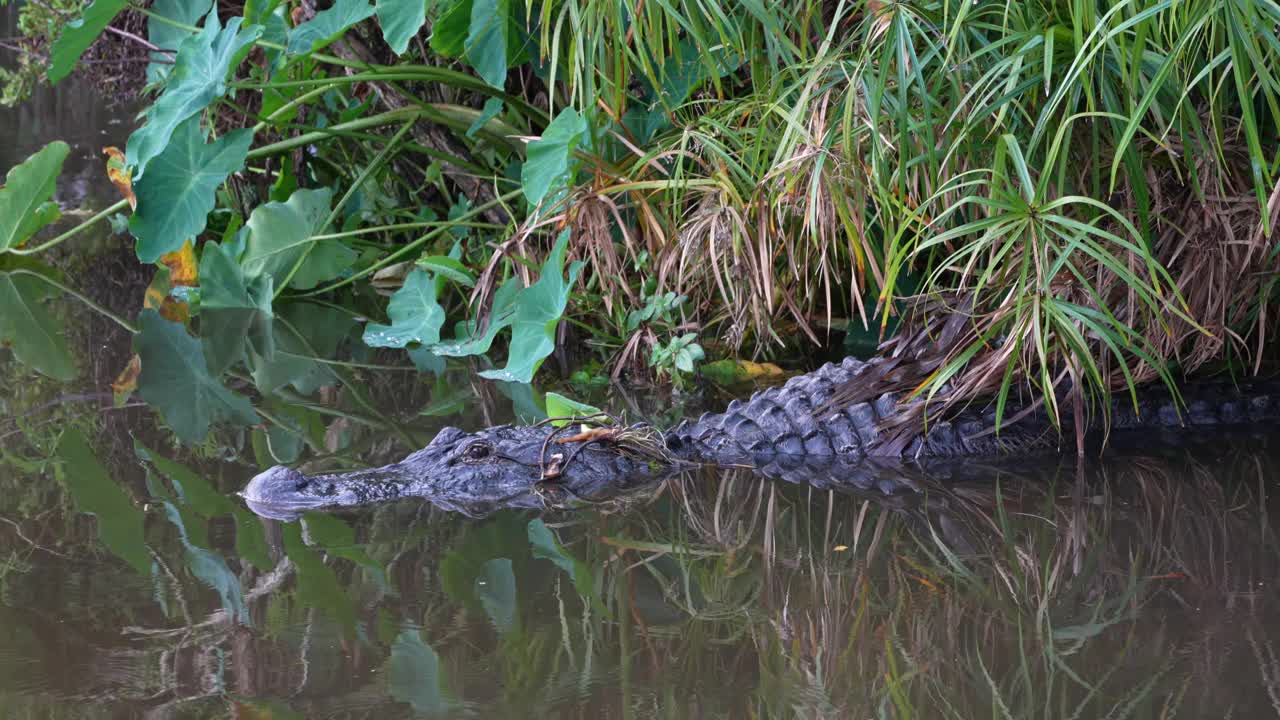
x=127, y=381
x=731, y=372
x=158, y=298
x=120, y=175
x=882, y=16
x=182, y=265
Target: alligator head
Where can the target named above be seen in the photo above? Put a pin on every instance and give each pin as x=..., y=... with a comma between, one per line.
x=473, y=473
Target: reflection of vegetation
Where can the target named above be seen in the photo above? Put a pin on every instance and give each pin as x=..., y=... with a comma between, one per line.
x=1129, y=588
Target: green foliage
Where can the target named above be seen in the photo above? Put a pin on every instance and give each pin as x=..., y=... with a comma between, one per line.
x=328, y=25
x=175, y=380
x=486, y=45
x=533, y=314
x=233, y=310
x=679, y=354
x=559, y=406
x=416, y=317
x=199, y=77
x=1086, y=184
x=548, y=169
x=280, y=243
x=302, y=333
x=400, y=21
x=25, y=198
x=168, y=37
x=79, y=34
x=177, y=193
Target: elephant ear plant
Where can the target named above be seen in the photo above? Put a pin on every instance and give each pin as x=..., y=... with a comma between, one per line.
x=1090, y=186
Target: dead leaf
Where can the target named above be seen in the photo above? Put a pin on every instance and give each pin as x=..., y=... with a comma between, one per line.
x=182, y=266
x=881, y=15
x=158, y=298
x=127, y=381
x=120, y=175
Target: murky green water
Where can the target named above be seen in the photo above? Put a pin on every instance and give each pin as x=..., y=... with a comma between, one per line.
x=1138, y=586
x=134, y=583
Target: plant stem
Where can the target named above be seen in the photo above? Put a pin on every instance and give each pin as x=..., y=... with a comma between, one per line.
x=117, y=207
x=76, y=294
x=391, y=147
x=477, y=210
x=408, y=226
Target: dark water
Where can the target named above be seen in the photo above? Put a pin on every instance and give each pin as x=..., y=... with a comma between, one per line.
x=135, y=584
x=1135, y=586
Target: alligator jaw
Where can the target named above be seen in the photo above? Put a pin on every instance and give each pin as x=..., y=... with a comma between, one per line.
x=284, y=493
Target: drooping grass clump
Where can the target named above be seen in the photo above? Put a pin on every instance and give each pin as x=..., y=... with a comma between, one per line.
x=1092, y=182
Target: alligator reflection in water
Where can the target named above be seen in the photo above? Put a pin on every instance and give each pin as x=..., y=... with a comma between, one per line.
x=1136, y=584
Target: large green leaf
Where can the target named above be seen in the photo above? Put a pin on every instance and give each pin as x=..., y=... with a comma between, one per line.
x=449, y=32
x=177, y=193
x=198, y=78
x=176, y=381
x=467, y=340
x=328, y=25
x=538, y=310
x=232, y=310
x=25, y=204
x=304, y=334
x=549, y=166
x=280, y=236
x=532, y=313
x=486, y=45
x=415, y=315
x=559, y=406
x=414, y=675
x=400, y=21
x=166, y=36
x=33, y=334
x=93, y=491
x=78, y=35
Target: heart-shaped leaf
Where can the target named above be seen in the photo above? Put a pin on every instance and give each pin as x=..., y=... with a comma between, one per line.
x=232, y=310
x=328, y=25
x=177, y=193
x=197, y=79
x=415, y=315
x=167, y=35
x=486, y=46
x=400, y=21
x=78, y=35
x=25, y=204
x=280, y=238
x=537, y=313
x=549, y=166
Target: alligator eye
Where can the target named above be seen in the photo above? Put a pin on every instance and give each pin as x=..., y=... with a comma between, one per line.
x=476, y=451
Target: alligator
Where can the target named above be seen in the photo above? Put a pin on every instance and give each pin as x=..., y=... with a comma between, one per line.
x=776, y=431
